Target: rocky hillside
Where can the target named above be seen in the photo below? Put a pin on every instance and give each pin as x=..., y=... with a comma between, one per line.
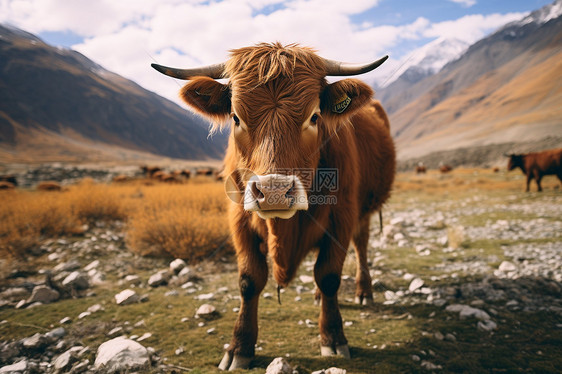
x=57, y=105
x=505, y=88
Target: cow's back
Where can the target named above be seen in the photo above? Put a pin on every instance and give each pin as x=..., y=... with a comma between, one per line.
x=377, y=156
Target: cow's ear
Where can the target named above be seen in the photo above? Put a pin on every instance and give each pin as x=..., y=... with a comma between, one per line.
x=342, y=98
x=208, y=98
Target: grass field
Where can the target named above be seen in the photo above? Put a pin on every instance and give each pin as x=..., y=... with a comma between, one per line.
x=403, y=332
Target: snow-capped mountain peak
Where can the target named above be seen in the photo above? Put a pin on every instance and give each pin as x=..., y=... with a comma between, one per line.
x=430, y=58
x=542, y=15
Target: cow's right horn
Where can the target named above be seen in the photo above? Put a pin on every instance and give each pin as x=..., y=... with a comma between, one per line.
x=213, y=71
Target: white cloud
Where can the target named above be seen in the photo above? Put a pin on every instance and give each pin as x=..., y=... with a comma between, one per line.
x=471, y=28
x=125, y=36
x=465, y=3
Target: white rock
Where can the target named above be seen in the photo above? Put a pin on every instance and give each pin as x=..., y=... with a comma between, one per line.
x=466, y=311
x=487, y=325
x=95, y=308
x=66, y=359
x=76, y=280
x=18, y=367
x=121, y=354
x=43, y=294
x=159, y=279
x=92, y=265
x=279, y=366
x=205, y=310
x=133, y=279
x=126, y=297
x=306, y=279
x=415, y=284
x=177, y=265
x=206, y=296
x=507, y=266
x=332, y=370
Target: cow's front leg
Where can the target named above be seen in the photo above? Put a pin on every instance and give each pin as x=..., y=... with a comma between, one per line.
x=327, y=273
x=363, y=289
x=252, y=270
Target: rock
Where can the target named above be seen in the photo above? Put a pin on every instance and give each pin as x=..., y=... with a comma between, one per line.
x=279, y=366
x=507, y=266
x=306, y=279
x=332, y=370
x=415, y=284
x=18, y=367
x=95, y=308
x=159, y=279
x=15, y=293
x=76, y=280
x=43, y=294
x=9, y=351
x=486, y=325
x=115, y=332
x=466, y=311
x=92, y=265
x=56, y=334
x=146, y=335
x=206, y=311
x=126, y=297
x=177, y=265
x=65, y=320
x=35, y=342
x=67, y=266
x=63, y=361
x=430, y=366
x=186, y=275
x=133, y=279
x=120, y=354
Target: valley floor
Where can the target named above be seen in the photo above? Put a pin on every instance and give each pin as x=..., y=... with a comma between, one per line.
x=467, y=277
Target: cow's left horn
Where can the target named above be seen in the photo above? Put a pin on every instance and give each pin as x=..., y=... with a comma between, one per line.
x=213, y=71
x=337, y=68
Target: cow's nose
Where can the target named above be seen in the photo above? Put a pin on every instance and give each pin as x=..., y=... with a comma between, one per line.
x=273, y=192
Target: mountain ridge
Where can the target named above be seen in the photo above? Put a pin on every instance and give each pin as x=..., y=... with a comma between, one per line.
x=74, y=103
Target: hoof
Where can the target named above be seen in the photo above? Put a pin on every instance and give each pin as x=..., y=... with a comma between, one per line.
x=232, y=362
x=326, y=351
x=364, y=300
x=341, y=350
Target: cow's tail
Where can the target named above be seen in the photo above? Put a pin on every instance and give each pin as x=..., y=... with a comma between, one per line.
x=380, y=222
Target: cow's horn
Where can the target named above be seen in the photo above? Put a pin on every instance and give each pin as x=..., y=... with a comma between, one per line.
x=337, y=68
x=213, y=71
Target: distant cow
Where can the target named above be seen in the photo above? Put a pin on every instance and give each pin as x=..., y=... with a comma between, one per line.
x=150, y=170
x=204, y=171
x=9, y=178
x=444, y=168
x=420, y=168
x=537, y=164
x=310, y=161
x=49, y=186
x=6, y=185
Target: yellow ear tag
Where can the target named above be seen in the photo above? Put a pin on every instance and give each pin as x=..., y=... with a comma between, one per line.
x=341, y=105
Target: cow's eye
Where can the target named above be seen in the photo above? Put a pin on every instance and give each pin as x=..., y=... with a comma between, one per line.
x=236, y=120
x=314, y=119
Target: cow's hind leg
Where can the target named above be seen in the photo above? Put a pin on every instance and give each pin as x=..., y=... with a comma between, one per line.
x=327, y=273
x=363, y=290
x=252, y=269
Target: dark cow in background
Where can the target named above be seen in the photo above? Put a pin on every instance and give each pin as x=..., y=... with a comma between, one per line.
x=420, y=168
x=537, y=164
x=444, y=168
x=291, y=131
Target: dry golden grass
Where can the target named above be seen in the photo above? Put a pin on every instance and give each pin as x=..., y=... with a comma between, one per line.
x=182, y=220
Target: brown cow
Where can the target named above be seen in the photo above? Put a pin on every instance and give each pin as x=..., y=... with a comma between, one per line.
x=444, y=168
x=420, y=168
x=537, y=164
x=49, y=186
x=309, y=161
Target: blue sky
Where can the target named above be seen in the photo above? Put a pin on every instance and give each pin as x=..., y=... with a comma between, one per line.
x=125, y=36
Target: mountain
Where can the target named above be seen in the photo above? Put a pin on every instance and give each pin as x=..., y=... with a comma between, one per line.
x=419, y=64
x=57, y=105
x=505, y=89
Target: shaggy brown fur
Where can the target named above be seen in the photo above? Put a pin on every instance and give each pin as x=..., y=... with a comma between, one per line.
x=537, y=165
x=274, y=89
